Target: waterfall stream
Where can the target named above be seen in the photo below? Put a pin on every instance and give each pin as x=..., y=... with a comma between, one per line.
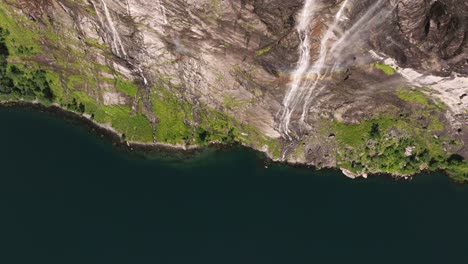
x=162, y=12
x=291, y=99
x=302, y=87
x=117, y=45
x=117, y=42
x=305, y=84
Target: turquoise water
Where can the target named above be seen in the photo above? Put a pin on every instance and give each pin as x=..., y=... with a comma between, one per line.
x=69, y=196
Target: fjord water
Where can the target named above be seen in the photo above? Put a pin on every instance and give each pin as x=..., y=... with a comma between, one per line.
x=68, y=196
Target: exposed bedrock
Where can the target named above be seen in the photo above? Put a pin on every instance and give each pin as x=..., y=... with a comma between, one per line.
x=243, y=58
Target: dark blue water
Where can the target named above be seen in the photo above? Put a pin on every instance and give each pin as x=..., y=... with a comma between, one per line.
x=67, y=196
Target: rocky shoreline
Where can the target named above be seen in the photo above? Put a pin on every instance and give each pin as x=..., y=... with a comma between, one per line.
x=115, y=139
x=296, y=80
x=99, y=129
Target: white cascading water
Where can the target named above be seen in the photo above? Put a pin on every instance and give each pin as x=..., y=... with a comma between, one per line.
x=162, y=11
x=319, y=65
x=117, y=45
x=352, y=37
x=301, y=84
x=291, y=99
x=116, y=41
x=361, y=25
x=302, y=88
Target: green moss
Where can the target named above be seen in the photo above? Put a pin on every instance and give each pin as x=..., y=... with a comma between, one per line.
x=393, y=145
x=180, y=122
x=74, y=81
x=219, y=76
x=436, y=124
x=95, y=43
x=413, y=96
x=458, y=170
x=22, y=39
x=218, y=127
x=429, y=110
x=22, y=82
x=274, y=147
x=171, y=113
x=263, y=51
x=418, y=97
x=233, y=103
x=103, y=68
x=385, y=68
x=54, y=81
x=135, y=126
x=27, y=78
x=357, y=134
x=126, y=87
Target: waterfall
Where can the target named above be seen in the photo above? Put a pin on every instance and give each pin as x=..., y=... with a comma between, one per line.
x=116, y=41
x=162, y=11
x=304, y=85
x=303, y=28
x=319, y=65
x=140, y=71
x=370, y=17
x=116, y=45
x=128, y=9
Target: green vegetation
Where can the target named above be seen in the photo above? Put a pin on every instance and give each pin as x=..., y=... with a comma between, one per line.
x=457, y=168
x=435, y=124
x=385, y=68
x=134, y=126
x=172, y=114
x=128, y=88
x=231, y=102
x=427, y=109
x=179, y=122
x=403, y=143
x=21, y=77
x=418, y=97
x=394, y=145
x=355, y=135
x=23, y=40
x=413, y=96
x=263, y=51
x=19, y=81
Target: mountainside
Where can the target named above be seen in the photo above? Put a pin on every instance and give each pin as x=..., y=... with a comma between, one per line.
x=367, y=86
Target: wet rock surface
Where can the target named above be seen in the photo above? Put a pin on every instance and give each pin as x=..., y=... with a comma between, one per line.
x=429, y=35
x=238, y=58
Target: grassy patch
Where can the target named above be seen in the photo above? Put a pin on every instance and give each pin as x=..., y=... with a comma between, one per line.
x=394, y=145
x=457, y=169
x=22, y=40
x=385, y=68
x=23, y=81
x=356, y=134
x=134, y=126
x=413, y=96
x=126, y=87
x=436, y=124
x=263, y=51
x=418, y=97
x=231, y=102
x=172, y=114
x=180, y=122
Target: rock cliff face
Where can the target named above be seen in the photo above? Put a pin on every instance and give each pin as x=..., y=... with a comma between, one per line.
x=368, y=86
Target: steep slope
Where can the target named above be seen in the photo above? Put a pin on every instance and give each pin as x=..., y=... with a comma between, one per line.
x=367, y=86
